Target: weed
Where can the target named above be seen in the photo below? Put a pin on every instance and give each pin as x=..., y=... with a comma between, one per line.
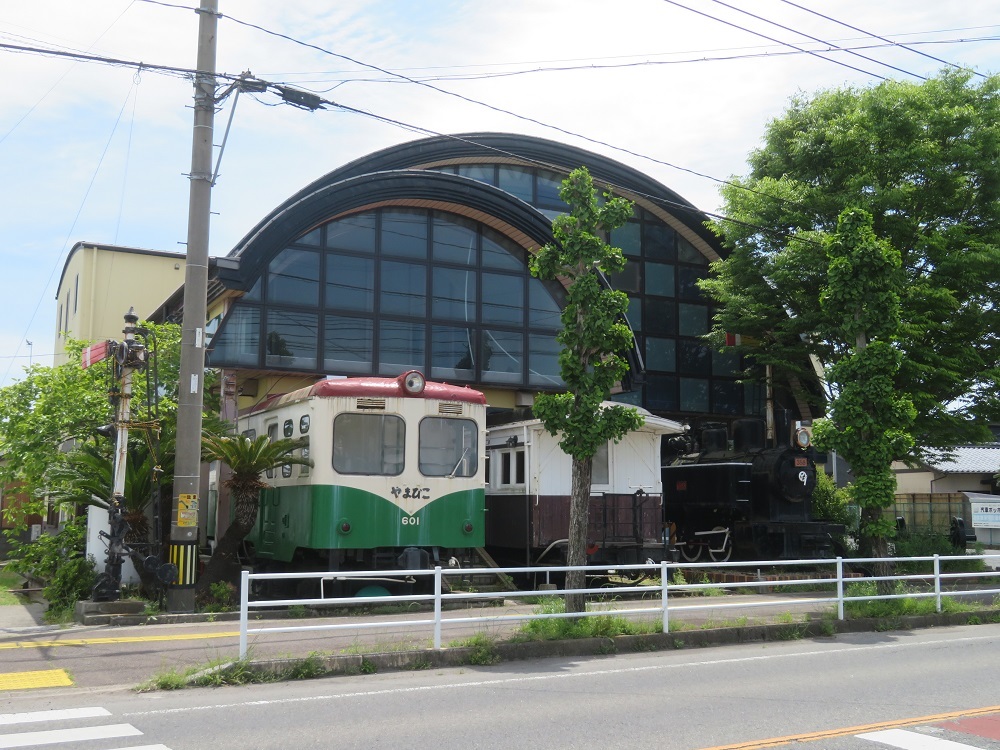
x=418, y=664
x=484, y=650
x=297, y=611
x=170, y=680
x=368, y=666
x=709, y=591
x=974, y=620
x=790, y=632
x=678, y=643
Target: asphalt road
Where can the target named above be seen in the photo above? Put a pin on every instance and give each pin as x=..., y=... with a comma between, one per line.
x=913, y=689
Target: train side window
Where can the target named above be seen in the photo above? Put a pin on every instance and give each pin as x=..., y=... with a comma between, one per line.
x=304, y=468
x=448, y=447
x=272, y=435
x=512, y=468
x=601, y=469
x=250, y=434
x=369, y=444
x=288, y=428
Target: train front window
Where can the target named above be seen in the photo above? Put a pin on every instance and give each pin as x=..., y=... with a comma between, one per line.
x=448, y=447
x=371, y=444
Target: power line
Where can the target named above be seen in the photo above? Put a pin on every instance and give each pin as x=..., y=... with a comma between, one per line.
x=882, y=38
x=816, y=39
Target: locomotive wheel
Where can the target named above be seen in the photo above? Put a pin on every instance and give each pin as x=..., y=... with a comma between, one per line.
x=690, y=552
x=726, y=552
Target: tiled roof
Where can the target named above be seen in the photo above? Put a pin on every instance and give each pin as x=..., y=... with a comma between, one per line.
x=968, y=459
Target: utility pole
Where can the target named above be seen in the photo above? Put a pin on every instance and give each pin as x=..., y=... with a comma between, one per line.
x=187, y=462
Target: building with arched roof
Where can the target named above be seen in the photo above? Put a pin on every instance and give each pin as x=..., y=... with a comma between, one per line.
x=415, y=257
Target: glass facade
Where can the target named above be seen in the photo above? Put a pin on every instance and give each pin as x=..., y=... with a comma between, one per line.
x=396, y=289
x=392, y=289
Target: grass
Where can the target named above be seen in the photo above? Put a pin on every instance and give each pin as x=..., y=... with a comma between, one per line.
x=9, y=581
x=895, y=608
x=220, y=672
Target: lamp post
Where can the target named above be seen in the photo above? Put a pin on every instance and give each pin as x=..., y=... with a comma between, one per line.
x=30, y=350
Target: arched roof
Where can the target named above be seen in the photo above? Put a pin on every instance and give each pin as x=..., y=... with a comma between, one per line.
x=399, y=173
x=338, y=194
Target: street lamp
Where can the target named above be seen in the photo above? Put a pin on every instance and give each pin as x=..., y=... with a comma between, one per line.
x=29, y=351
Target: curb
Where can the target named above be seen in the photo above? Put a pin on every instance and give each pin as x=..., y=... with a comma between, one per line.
x=355, y=664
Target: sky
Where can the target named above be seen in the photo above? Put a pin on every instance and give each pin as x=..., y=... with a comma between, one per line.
x=679, y=89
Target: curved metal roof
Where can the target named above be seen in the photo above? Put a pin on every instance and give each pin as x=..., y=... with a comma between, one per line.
x=362, y=181
x=325, y=199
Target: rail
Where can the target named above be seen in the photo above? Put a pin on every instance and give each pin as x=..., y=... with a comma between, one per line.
x=671, y=582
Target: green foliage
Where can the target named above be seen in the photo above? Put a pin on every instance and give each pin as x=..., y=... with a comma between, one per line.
x=927, y=544
x=592, y=626
x=892, y=608
x=921, y=160
x=221, y=597
x=832, y=503
x=593, y=331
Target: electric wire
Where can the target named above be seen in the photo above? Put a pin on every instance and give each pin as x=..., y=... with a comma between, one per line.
x=882, y=38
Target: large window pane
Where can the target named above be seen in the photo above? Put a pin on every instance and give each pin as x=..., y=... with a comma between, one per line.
x=693, y=358
x=503, y=299
x=291, y=339
x=372, y=444
x=518, y=182
x=448, y=447
x=502, y=356
x=293, y=277
x=726, y=363
x=499, y=252
x=658, y=241
x=634, y=313
x=311, y=238
x=543, y=311
x=350, y=283
x=238, y=339
x=661, y=354
x=687, y=282
x=454, y=240
x=726, y=396
x=629, y=238
x=692, y=320
x=549, y=184
x=479, y=172
x=404, y=289
x=454, y=294
x=694, y=394
x=659, y=317
x=401, y=347
x=543, y=361
x=626, y=280
x=687, y=253
x=661, y=392
x=347, y=344
x=355, y=233
x=404, y=232
x=659, y=279
x=453, y=353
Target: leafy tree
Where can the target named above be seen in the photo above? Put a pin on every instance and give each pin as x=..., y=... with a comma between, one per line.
x=591, y=337
x=247, y=459
x=868, y=421
x=924, y=161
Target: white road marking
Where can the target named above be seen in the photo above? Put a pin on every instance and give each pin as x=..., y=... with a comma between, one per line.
x=51, y=737
x=913, y=740
x=144, y=747
x=53, y=715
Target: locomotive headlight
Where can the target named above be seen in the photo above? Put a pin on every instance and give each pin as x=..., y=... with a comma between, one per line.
x=344, y=526
x=467, y=527
x=803, y=437
x=413, y=383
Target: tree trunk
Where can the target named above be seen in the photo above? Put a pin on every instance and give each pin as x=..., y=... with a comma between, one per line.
x=579, y=507
x=224, y=565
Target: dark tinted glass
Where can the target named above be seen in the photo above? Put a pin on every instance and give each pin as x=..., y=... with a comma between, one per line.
x=543, y=311
x=291, y=339
x=543, y=361
x=454, y=294
x=404, y=232
x=453, y=353
x=658, y=241
x=659, y=317
x=404, y=289
x=503, y=299
x=692, y=320
x=661, y=354
x=693, y=358
x=355, y=233
x=501, y=253
x=350, y=282
x=694, y=394
x=455, y=240
x=238, y=339
x=659, y=279
x=401, y=347
x=502, y=356
x=347, y=344
x=518, y=182
x=293, y=277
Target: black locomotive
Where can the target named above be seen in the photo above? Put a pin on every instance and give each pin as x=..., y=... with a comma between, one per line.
x=742, y=495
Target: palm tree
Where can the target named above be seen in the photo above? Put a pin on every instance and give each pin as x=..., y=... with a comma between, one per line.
x=247, y=458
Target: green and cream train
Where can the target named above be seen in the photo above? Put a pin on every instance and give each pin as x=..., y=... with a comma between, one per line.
x=397, y=479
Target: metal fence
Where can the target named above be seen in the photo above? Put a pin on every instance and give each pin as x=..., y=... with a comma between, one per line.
x=664, y=582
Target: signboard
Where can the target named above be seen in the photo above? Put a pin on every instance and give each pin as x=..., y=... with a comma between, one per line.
x=986, y=513
x=187, y=510
x=93, y=354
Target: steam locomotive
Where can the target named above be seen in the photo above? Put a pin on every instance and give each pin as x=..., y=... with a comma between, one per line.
x=723, y=497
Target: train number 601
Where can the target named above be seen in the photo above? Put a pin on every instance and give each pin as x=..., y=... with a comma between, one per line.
x=411, y=521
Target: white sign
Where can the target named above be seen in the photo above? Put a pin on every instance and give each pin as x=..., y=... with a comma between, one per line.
x=985, y=514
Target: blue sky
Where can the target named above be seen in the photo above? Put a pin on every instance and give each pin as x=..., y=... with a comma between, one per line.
x=93, y=152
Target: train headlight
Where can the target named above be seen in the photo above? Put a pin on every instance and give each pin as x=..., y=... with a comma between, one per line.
x=803, y=437
x=413, y=383
x=468, y=527
x=344, y=526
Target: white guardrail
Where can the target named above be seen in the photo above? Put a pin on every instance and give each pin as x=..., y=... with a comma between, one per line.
x=660, y=592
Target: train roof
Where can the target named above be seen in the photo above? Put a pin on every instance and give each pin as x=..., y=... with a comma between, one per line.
x=367, y=387
x=651, y=422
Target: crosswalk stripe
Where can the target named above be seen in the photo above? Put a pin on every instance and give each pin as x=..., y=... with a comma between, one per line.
x=52, y=736
x=53, y=715
x=913, y=740
x=144, y=747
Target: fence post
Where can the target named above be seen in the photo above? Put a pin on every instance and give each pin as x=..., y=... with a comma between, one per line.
x=437, y=608
x=840, y=588
x=244, y=609
x=663, y=596
x=937, y=582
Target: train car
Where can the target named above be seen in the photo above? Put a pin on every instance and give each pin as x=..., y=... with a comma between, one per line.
x=397, y=482
x=744, y=496
x=528, y=496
